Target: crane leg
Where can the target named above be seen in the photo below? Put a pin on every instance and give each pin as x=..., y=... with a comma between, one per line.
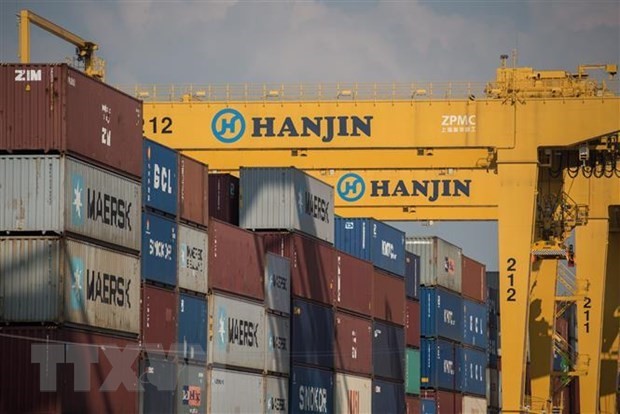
x=516, y=212
x=541, y=328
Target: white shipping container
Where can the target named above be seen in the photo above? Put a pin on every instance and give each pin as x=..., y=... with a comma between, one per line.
x=236, y=332
x=276, y=395
x=277, y=283
x=473, y=405
x=278, y=338
x=58, y=194
x=192, y=259
x=53, y=279
x=286, y=199
x=353, y=394
x=234, y=392
x=440, y=262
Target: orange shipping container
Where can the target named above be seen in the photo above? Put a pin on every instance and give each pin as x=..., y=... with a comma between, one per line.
x=474, y=279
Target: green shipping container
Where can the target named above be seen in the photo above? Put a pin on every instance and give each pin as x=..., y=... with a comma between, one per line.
x=412, y=384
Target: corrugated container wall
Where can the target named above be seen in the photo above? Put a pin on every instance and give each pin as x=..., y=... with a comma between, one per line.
x=388, y=351
x=224, y=198
x=158, y=381
x=444, y=402
x=353, y=286
x=493, y=391
x=471, y=371
x=412, y=371
x=474, y=405
x=159, y=319
x=492, y=280
x=236, y=332
x=193, y=191
x=413, y=404
x=191, y=389
x=276, y=395
x=474, y=279
x=234, y=392
x=51, y=279
x=353, y=344
x=312, y=328
x=439, y=360
x=52, y=193
x=440, y=262
x=236, y=260
x=388, y=397
x=372, y=240
x=88, y=118
x=313, y=264
x=192, y=327
x=412, y=275
x=428, y=406
x=286, y=199
x=412, y=323
x=352, y=394
x=388, y=302
x=159, y=249
x=312, y=390
x=278, y=343
x=25, y=351
x=192, y=266
x=160, y=181
x=277, y=283
x=475, y=324
x=442, y=314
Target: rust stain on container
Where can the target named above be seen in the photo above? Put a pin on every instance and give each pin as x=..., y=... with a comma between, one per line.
x=313, y=264
x=57, y=108
x=224, y=198
x=412, y=323
x=353, y=285
x=76, y=394
x=193, y=191
x=474, y=279
x=353, y=344
x=159, y=319
x=236, y=260
x=388, y=302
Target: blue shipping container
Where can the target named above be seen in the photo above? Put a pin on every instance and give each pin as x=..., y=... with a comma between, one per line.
x=441, y=312
x=312, y=328
x=412, y=275
x=428, y=406
x=372, y=240
x=438, y=364
x=475, y=324
x=472, y=367
x=311, y=390
x=159, y=249
x=388, y=351
x=159, y=177
x=388, y=397
x=158, y=381
x=193, y=327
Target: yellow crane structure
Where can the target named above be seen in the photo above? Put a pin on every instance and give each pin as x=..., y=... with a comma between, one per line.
x=538, y=151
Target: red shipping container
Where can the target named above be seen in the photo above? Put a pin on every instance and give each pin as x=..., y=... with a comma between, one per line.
x=193, y=191
x=447, y=402
x=413, y=404
x=561, y=395
x=224, y=198
x=236, y=260
x=388, y=302
x=59, y=354
x=159, y=319
x=353, y=344
x=561, y=327
x=412, y=324
x=474, y=284
x=353, y=286
x=55, y=108
x=313, y=264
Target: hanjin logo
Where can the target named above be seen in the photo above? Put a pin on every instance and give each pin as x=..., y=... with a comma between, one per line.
x=351, y=187
x=228, y=126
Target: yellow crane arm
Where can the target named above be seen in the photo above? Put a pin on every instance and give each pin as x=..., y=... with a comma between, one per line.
x=85, y=49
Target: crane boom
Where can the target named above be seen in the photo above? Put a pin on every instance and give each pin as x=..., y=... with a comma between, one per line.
x=93, y=66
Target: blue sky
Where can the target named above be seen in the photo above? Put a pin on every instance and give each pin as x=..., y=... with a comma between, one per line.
x=150, y=41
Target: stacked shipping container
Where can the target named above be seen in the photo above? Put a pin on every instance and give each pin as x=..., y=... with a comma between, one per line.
x=69, y=205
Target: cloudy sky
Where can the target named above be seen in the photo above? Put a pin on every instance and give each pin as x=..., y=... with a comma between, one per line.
x=152, y=41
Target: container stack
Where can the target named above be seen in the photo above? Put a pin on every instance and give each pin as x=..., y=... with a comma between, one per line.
x=384, y=247
x=412, y=332
x=69, y=257
x=294, y=214
x=493, y=376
